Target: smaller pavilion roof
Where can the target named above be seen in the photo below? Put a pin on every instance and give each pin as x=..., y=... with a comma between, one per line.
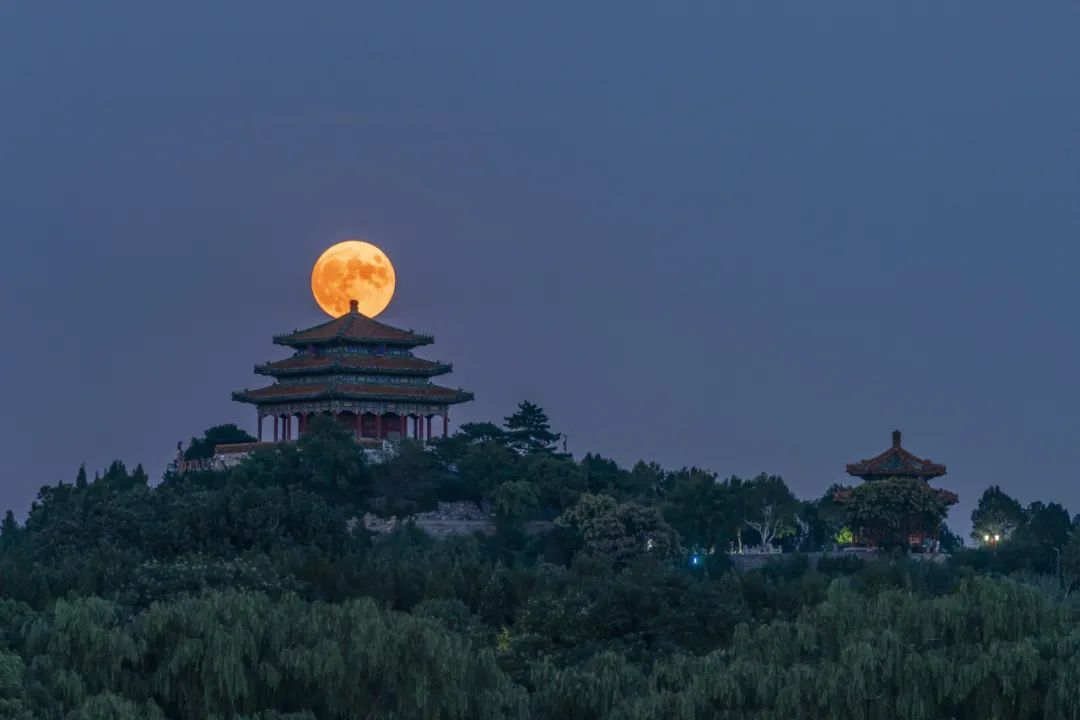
x=344, y=363
x=353, y=328
x=895, y=462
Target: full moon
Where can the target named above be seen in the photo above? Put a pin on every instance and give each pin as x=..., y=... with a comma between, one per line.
x=353, y=270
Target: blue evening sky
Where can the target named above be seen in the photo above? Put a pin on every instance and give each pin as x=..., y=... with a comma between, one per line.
x=742, y=235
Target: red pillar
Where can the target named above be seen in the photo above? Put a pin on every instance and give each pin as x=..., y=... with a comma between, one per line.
x=445, y=423
x=378, y=426
x=259, y=432
x=358, y=425
x=404, y=426
x=275, y=428
x=428, y=438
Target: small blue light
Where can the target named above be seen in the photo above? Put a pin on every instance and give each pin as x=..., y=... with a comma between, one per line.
x=695, y=559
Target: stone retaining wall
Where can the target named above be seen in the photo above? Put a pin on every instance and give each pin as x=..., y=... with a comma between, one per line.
x=451, y=519
x=752, y=561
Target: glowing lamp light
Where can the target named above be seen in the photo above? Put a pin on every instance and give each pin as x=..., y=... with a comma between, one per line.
x=996, y=538
x=986, y=538
x=695, y=560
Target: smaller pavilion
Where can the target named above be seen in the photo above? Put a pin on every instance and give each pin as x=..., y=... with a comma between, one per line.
x=895, y=462
x=360, y=371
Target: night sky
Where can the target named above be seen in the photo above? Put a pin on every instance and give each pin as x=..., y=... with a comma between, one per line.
x=747, y=236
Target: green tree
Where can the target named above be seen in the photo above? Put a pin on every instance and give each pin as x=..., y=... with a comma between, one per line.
x=997, y=515
x=738, y=500
x=700, y=507
x=950, y=541
x=558, y=480
x=331, y=460
x=9, y=531
x=515, y=501
x=243, y=654
x=108, y=706
x=1048, y=525
x=644, y=480
x=201, y=448
x=480, y=433
x=592, y=690
x=770, y=507
x=12, y=687
x=529, y=431
x=620, y=534
x=826, y=518
x=890, y=510
x=470, y=435
x=1070, y=562
x=602, y=475
x=409, y=481
x=484, y=467
x=139, y=478
x=116, y=478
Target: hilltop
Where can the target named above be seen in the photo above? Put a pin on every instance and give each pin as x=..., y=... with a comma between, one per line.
x=258, y=592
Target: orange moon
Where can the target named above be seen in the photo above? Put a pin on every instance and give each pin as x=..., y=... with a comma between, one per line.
x=353, y=270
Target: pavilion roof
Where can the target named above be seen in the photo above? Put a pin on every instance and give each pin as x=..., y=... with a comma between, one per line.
x=376, y=364
x=353, y=328
x=404, y=392
x=895, y=462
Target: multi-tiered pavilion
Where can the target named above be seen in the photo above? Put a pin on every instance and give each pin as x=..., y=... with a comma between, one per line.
x=360, y=371
x=896, y=462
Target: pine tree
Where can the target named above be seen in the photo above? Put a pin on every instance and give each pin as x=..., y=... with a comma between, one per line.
x=80, y=479
x=529, y=431
x=9, y=530
x=139, y=477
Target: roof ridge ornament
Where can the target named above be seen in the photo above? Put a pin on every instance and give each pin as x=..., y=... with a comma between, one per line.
x=896, y=438
x=354, y=306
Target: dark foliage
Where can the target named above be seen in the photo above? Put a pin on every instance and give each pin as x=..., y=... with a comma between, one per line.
x=201, y=448
x=257, y=593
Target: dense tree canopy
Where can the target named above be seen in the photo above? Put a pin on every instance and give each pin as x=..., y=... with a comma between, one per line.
x=996, y=516
x=257, y=593
x=202, y=447
x=893, y=509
